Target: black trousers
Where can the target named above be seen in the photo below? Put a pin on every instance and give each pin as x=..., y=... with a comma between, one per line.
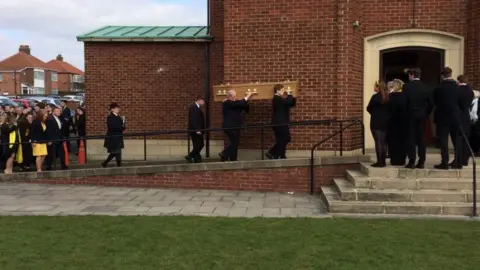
x=462, y=154
x=55, y=151
x=118, y=158
x=27, y=153
x=416, y=139
x=231, y=151
x=198, y=144
x=443, y=131
x=380, y=138
x=475, y=138
x=396, y=147
x=282, y=138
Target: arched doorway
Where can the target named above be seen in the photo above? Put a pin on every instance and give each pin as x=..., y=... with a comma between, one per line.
x=386, y=55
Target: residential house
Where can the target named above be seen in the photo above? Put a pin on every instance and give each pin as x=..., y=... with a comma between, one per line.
x=24, y=74
x=70, y=78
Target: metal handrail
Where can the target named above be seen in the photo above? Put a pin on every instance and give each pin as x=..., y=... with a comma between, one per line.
x=312, y=150
x=474, y=175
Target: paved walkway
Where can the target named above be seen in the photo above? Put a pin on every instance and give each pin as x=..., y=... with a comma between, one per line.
x=30, y=199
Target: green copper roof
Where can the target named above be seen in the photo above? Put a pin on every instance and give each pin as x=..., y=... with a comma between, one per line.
x=147, y=34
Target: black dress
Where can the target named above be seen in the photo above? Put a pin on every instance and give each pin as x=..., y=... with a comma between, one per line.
x=114, y=140
x=378, y=125
x=397, y=135
x=9, y=149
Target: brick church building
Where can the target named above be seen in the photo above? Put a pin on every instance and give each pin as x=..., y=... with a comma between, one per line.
x=334, y=51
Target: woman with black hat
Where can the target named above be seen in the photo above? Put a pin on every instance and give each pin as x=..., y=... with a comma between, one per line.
x=114, y=139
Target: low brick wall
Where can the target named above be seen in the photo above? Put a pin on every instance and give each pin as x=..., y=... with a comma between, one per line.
x=278, y=175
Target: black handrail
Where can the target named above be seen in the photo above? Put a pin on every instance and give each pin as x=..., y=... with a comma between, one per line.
x=312, y=150
x=474, y=175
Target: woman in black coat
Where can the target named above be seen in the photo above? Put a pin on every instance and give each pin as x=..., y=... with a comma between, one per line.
x=397, y=128
x=114, y=139
x=378, y=109
x=80, y=126
x=10, y=146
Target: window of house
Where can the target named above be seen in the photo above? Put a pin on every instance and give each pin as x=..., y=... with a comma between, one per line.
x=54, y=77
x=54, y=91
x=1, y=77
x=25, y=90
x=39, y=91
x=39, y=75
x=78, y=78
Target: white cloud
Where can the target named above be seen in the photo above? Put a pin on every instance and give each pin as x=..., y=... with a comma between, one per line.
x=51, y=27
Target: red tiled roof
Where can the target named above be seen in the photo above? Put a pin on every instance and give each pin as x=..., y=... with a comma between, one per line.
x=22, y=60
x=64, y=67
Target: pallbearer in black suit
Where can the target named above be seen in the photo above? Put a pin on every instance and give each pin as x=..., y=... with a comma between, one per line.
x=54, y=130
x=397, y=127
x=232, y=110
x=114, y=139
x=196, y=122
x=282, y=103
x=447, y=112
x=465, y=99
x=419, y=106
x=377, y=107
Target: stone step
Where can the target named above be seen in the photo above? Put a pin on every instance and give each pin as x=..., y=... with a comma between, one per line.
x=361, y=180
x=348, y=192
x=335, y=205
x=399, y=172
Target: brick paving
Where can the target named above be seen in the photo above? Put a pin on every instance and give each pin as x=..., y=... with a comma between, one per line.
x=56, y=200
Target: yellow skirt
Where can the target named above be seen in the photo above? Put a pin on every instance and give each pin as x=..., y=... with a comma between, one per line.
x=40, y=149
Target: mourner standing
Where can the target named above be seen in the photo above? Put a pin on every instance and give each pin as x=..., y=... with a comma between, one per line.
x=66, y=117
x=9, y=135
x=447, y=112
x=397, y=126
x=39, y=134
x=419, y=106
x=55, y=148
x=114, y=139
x=465, y=94
x=80, y=126
x=232, y=110
x=196, y=122
x=377, y=107
x=24, y=128
x=281, y=116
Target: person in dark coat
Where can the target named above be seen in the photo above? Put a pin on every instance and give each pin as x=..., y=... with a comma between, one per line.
x=196, y=122
x=281, y=104
x=447, y=116
x=67, y=120
x=378, y=109
x=10, y=149
x=24, y=128
x=232, y=117
x=80, y=125
x=55, y=134
x=397, y=127
x=39, y=136
x=419, y=106
x=465, y=95
x=114, y=140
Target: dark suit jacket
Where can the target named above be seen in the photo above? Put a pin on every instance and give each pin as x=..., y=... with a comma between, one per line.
x=66, y=118
x=53, y=131
x=196, y=121
x=465, y=94
x=80, y=125
x=418, y=97
x=232, y=112
x=281, y=109
x=37, y=133
x=115, y=126
x=446, y=98
x=378, y=113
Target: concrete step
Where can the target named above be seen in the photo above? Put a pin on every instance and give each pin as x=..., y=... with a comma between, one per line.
x=361, y=180
x=335, y=205
x=348, y=192
x=400, y=172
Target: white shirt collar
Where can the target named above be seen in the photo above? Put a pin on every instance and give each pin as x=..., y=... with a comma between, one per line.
x=462, y=84
x=198, y=105
x=416, y=79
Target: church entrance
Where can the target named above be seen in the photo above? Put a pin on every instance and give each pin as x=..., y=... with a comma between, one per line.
x=394, y=62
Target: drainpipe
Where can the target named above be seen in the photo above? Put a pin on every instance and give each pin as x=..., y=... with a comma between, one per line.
x=207, y=98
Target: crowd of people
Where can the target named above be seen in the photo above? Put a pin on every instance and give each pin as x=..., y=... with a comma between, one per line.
x=37, y=135
x=400, y=111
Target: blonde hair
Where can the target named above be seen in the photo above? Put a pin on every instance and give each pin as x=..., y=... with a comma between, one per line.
x=397, y=85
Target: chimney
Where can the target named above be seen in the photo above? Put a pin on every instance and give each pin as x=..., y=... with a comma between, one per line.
x=60, y=57
x=25, y=49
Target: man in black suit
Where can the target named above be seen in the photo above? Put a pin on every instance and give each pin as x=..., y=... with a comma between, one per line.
x=232, y=117
x=418, y=108
x=67, y=119
x=282, y=103
x=196, y=122
x=447, y=116
x=465, y=99
x=54, y=132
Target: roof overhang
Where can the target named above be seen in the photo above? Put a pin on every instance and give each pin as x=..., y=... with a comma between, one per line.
x=204, y=39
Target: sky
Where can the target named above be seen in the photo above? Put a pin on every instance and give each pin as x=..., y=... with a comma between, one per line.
x=50, y=27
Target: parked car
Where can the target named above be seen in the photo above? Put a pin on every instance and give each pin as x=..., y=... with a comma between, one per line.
x=76, y=98
x=24, y=102
x=45, y=99
x=6, y=101
x=55, y=96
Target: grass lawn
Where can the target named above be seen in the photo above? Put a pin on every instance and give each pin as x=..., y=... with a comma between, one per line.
x=95, y=242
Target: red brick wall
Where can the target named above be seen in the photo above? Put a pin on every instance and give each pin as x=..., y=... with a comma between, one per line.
x=295, y=179
x=63, y=82
x=473, y=44
x=153, y=82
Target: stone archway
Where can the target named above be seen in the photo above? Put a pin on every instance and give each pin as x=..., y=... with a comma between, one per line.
x=453, y=45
